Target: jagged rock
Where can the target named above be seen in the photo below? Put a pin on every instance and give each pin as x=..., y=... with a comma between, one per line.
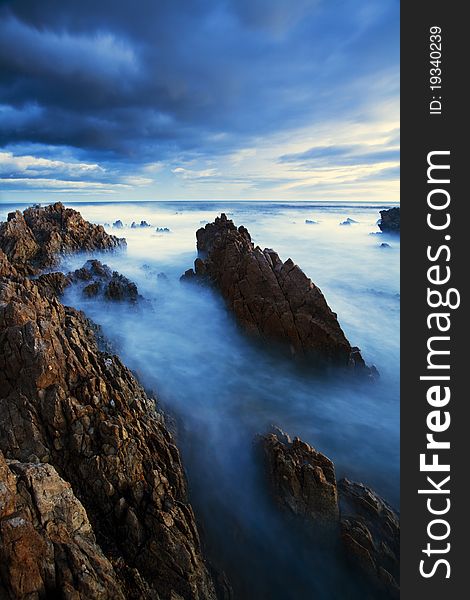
x=47, y=545
x=304, y=485
x=271, y=299
x=100, y=278
x=142, y=224
x=37, y=237
x=162, y=230
x=78, y=416
x=53, y=284
x=348, y=221
x=390, y=220
x=302, y=480
x=118, y=224
x=370, y=531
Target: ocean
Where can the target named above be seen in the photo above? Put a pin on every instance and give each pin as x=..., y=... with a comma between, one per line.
x=221, y=390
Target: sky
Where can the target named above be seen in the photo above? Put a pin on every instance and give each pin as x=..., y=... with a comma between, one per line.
x=199, y=99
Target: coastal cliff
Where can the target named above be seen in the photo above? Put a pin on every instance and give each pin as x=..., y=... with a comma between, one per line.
x=93, y=499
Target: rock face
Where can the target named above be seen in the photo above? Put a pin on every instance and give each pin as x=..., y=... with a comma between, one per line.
x=271, y=299
x=37, y=237
x=303, y=483
x=79, y=433
x=302, y=480
x=370, y=531
x=48, y=548
x=390, y=220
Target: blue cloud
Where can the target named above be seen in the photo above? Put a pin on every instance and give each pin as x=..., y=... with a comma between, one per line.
x=122, y=84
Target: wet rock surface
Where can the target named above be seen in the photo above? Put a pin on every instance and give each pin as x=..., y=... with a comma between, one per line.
x=271, y=299
x=303, y=484
x=390, y=220
x=78, y=432
x=37, y=237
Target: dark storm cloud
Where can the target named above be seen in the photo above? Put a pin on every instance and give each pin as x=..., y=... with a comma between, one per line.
x=101, y=89
x=149, y=77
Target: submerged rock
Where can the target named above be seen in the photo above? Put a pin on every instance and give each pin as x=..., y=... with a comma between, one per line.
x=384, y=245
x=303, y=483
x=390, y=220
x=271, y=299
x=37, y=237
x=162, y=230
x=348, y=221
x=310, y=222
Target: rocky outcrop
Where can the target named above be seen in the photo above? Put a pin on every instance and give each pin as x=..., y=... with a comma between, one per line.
x=37, y=237
x=370, y=531
x=303, y=483
x=47, y=544
x=271, y=299
x=79, y=433
x=99, y=279
x=95, y=280
x=302, y=480
x=390, y=220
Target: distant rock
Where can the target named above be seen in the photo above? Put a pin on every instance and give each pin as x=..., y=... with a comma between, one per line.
x=310, y=222
x=162, y=230
x=348, y=221
x=118, y=224
x=38, y=237
x=303, y=484
x=142, y=224
x=271, y=299
x=385, y=245
x=390, y=220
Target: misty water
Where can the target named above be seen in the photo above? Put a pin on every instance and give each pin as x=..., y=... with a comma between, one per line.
x=222, y=390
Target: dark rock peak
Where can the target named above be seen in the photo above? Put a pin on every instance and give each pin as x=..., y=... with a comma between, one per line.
x=390, y=220
x=271, y=299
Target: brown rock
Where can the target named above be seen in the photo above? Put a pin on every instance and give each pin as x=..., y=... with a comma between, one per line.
x=47, y=544
x=303, y=483
x=302, y=480
x=80, y=434
x=38, y=236
x=271, y=299
x=370, y=530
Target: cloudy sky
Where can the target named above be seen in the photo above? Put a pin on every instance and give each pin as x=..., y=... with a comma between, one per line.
x=199, y=99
